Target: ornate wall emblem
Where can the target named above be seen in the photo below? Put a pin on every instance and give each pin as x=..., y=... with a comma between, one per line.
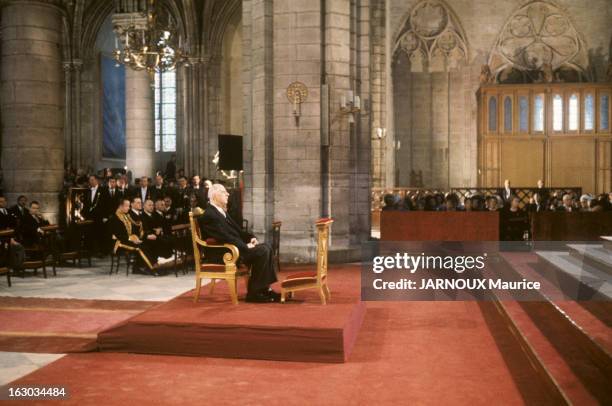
x=539, y=35
x=431, y=38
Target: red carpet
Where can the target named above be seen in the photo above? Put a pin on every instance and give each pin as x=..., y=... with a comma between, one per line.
x=59, y=325
x=406, y=353
x=299, y=330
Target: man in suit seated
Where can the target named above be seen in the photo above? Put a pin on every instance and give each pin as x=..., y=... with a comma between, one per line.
x=215, y=223
x=31, y=224
x=20, y=210
x=130, y=233
x=154, y=231
x=7, y=220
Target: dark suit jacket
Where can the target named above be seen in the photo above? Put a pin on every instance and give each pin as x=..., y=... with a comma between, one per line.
x=7, y=220
x=158, y=193
x=225, y=230
x=201, y=194
x=29, y=229
x=97, y=208
x=503, y=194
x=17, y=213
x=181, y=198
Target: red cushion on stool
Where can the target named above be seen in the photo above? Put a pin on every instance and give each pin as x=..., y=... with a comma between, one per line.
x=299, y=278
x=211, y=241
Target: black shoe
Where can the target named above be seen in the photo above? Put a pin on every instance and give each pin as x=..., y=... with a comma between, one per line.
x=261, y=297
x=275, y=295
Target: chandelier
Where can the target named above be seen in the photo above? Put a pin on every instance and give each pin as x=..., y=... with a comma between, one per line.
x=147, y=42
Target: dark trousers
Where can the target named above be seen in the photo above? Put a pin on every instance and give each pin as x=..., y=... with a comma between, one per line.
x=262, y=267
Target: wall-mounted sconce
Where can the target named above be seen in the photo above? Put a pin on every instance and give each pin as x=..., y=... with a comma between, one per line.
x=381, y=133
x=350, y=104
x=297, y=93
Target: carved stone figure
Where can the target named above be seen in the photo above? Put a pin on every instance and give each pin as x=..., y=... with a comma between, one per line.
x=547, y=73
x=485, y=74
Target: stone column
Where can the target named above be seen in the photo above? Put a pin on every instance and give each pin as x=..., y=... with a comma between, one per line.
x=139, y=122
x=32, y=103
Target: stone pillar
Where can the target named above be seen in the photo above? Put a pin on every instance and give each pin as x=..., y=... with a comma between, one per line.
x=139, y=122
x=32, y=103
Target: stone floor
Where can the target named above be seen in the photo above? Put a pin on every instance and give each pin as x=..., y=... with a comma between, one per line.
x=83, y=283
x=96, y=283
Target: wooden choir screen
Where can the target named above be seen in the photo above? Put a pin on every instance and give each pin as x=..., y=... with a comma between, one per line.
x=558, y=132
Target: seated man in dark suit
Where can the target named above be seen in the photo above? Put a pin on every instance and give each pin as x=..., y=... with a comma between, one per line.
x=7, y=220
x=215, y=223
x=30, y=225
x=20, y=210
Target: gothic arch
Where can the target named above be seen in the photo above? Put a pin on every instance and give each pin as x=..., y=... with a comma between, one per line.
x=539, y=36
x=431, y=35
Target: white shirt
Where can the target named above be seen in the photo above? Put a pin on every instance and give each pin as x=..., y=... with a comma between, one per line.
x=143, y=194
x=219, y=208
x=93, y=193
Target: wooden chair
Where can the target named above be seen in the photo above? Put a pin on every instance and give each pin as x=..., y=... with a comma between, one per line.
x=228, y=271
x=5, y=253
x=313, y=279
x=276, y=227
x=44, y=253
x=180, y=240
x=75, y=247
x=119, y=250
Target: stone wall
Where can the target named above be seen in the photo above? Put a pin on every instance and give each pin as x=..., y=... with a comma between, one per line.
x=435, y=107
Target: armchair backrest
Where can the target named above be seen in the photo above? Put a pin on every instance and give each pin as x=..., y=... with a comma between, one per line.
x=322, y=246
x=276, y=229
x=196, y=234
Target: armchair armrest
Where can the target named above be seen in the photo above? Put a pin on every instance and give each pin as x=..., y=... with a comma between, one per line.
x=229, y=258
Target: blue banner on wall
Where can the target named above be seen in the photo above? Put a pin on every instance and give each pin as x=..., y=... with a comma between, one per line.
x=113, y=109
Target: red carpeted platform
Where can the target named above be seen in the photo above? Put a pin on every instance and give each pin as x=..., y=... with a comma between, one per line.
x=299, y=330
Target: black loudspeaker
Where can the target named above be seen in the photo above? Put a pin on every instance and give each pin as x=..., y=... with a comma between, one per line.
x=230, y=152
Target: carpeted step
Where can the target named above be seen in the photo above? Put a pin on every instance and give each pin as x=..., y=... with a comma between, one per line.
x=579, y=279
x=570, y=339
x=595, y=255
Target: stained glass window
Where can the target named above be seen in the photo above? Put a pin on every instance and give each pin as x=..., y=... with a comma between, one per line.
x=538, y=113
x=492, y=114
x=557, y=113
x=524, y=113
x=604, y=106
x=589, y=112
x=165, y=111
x=508, y=114
x=572, y=114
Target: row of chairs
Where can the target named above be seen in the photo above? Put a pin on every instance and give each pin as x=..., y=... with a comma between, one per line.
x=46, y=253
